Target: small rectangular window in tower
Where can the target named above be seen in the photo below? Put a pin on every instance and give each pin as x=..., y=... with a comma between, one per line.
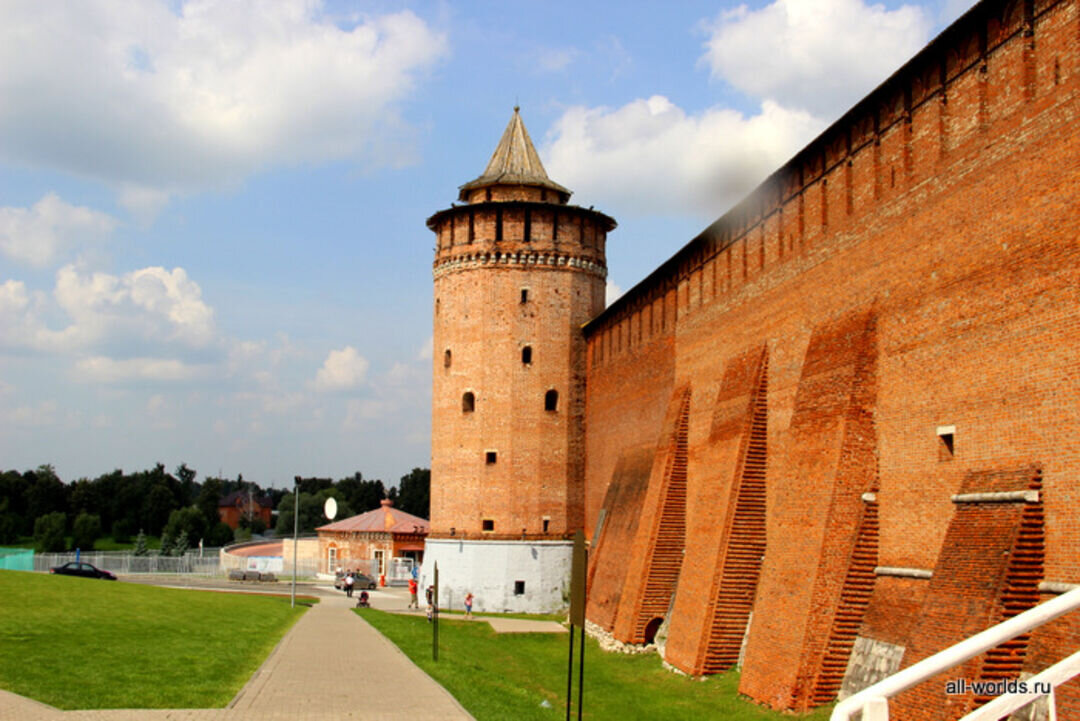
x=524, y=295
x=546, y=524
x=488, y=525
x=519, y=588
x=491, y=457
x=946, y=442
x=526, y=355
x=498, y=225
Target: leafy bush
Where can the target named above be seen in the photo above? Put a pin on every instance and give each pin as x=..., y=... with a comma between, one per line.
x=220, y=535
x=121, y=531
x=49, y=532
x=86, y=530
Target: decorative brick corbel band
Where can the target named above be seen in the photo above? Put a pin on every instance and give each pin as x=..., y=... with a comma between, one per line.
x=519, y=259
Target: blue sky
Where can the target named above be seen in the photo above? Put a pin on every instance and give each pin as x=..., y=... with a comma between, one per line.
x=212, y=239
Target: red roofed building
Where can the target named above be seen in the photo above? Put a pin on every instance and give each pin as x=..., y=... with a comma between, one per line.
x=378, y=535
x=241, y=504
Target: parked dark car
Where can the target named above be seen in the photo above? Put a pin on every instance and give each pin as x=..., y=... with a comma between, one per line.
x=82, y=569
x=360, y=580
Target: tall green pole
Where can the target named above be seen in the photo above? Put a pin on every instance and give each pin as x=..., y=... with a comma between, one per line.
x=295, y=533
x=435, y=616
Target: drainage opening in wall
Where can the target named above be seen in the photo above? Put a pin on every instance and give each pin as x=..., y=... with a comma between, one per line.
x=651, y=628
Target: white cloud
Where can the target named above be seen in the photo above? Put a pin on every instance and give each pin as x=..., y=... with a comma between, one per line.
x=99, y=369
x=820, y=55
x=651, y=156
x=50, y=229
x=554, y=60
x=159, y=101
x=43, y=414
x=148, y=308
x=343, y=369
x=427, y=349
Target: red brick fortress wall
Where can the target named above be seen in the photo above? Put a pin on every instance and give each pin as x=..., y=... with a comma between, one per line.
x=915, y=267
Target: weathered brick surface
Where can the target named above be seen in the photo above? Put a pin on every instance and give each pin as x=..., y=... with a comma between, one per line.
x=947, y=201
x=973, y=587
x=726, y=520
x=489, y=253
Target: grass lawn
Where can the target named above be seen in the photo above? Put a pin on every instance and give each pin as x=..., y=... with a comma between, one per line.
x=78, y=643
x=509, y=676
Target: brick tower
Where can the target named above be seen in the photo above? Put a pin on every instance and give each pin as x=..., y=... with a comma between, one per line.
x=517, y=272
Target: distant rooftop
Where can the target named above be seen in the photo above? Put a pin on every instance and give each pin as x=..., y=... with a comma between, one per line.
x=514, y=162
x=384, y=519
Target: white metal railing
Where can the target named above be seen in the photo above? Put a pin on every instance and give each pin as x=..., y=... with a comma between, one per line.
x=126, y=562
x=873, y=701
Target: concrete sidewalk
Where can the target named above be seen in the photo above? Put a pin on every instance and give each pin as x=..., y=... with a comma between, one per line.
x=331, y=665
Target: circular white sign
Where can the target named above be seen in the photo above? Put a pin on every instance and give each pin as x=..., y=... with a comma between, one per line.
x=330, y=508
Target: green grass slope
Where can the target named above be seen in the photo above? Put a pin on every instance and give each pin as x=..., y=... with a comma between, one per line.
x=77, y=643
x=509, y=676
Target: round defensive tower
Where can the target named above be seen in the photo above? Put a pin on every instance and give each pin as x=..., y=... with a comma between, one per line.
x=517, y=272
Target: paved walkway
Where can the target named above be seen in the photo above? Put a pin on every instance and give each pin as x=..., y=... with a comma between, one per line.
x=331, y=665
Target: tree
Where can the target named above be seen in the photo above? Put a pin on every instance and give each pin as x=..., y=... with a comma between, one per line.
x=414, y=493
x=166, y=545
x=158, y=505
x=9, y=522
x=186, y=476
x=140, y=544
x=220, y=535
x=181, y=546
x=209, y=496
x=49, y=533
x=311, y=511
x=121, y=531
x=45, y=493
x=86, y=530
x=188, y=521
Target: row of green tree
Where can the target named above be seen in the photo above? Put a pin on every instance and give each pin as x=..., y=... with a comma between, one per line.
x=353, y=495
x=174, y=506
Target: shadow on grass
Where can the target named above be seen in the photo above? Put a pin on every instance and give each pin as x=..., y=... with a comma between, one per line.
x=523, y=676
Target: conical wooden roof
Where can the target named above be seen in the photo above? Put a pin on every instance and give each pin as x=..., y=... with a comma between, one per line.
x=514, y=162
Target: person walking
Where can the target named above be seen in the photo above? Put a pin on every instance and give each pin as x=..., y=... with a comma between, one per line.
x=468, y=605
x=413, y=588
x=349, y=581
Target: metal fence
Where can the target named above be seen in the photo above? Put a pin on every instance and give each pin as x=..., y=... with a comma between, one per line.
x=205, y=564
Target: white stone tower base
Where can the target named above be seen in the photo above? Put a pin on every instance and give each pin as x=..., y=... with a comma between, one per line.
x=503, y=576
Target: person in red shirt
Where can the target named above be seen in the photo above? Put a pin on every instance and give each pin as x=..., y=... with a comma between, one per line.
x=413, y=587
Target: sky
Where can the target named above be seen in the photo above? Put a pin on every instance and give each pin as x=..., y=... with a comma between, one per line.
x=212, y=237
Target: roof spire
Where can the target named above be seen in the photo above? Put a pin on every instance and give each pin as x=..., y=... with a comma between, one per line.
x=514, y=162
